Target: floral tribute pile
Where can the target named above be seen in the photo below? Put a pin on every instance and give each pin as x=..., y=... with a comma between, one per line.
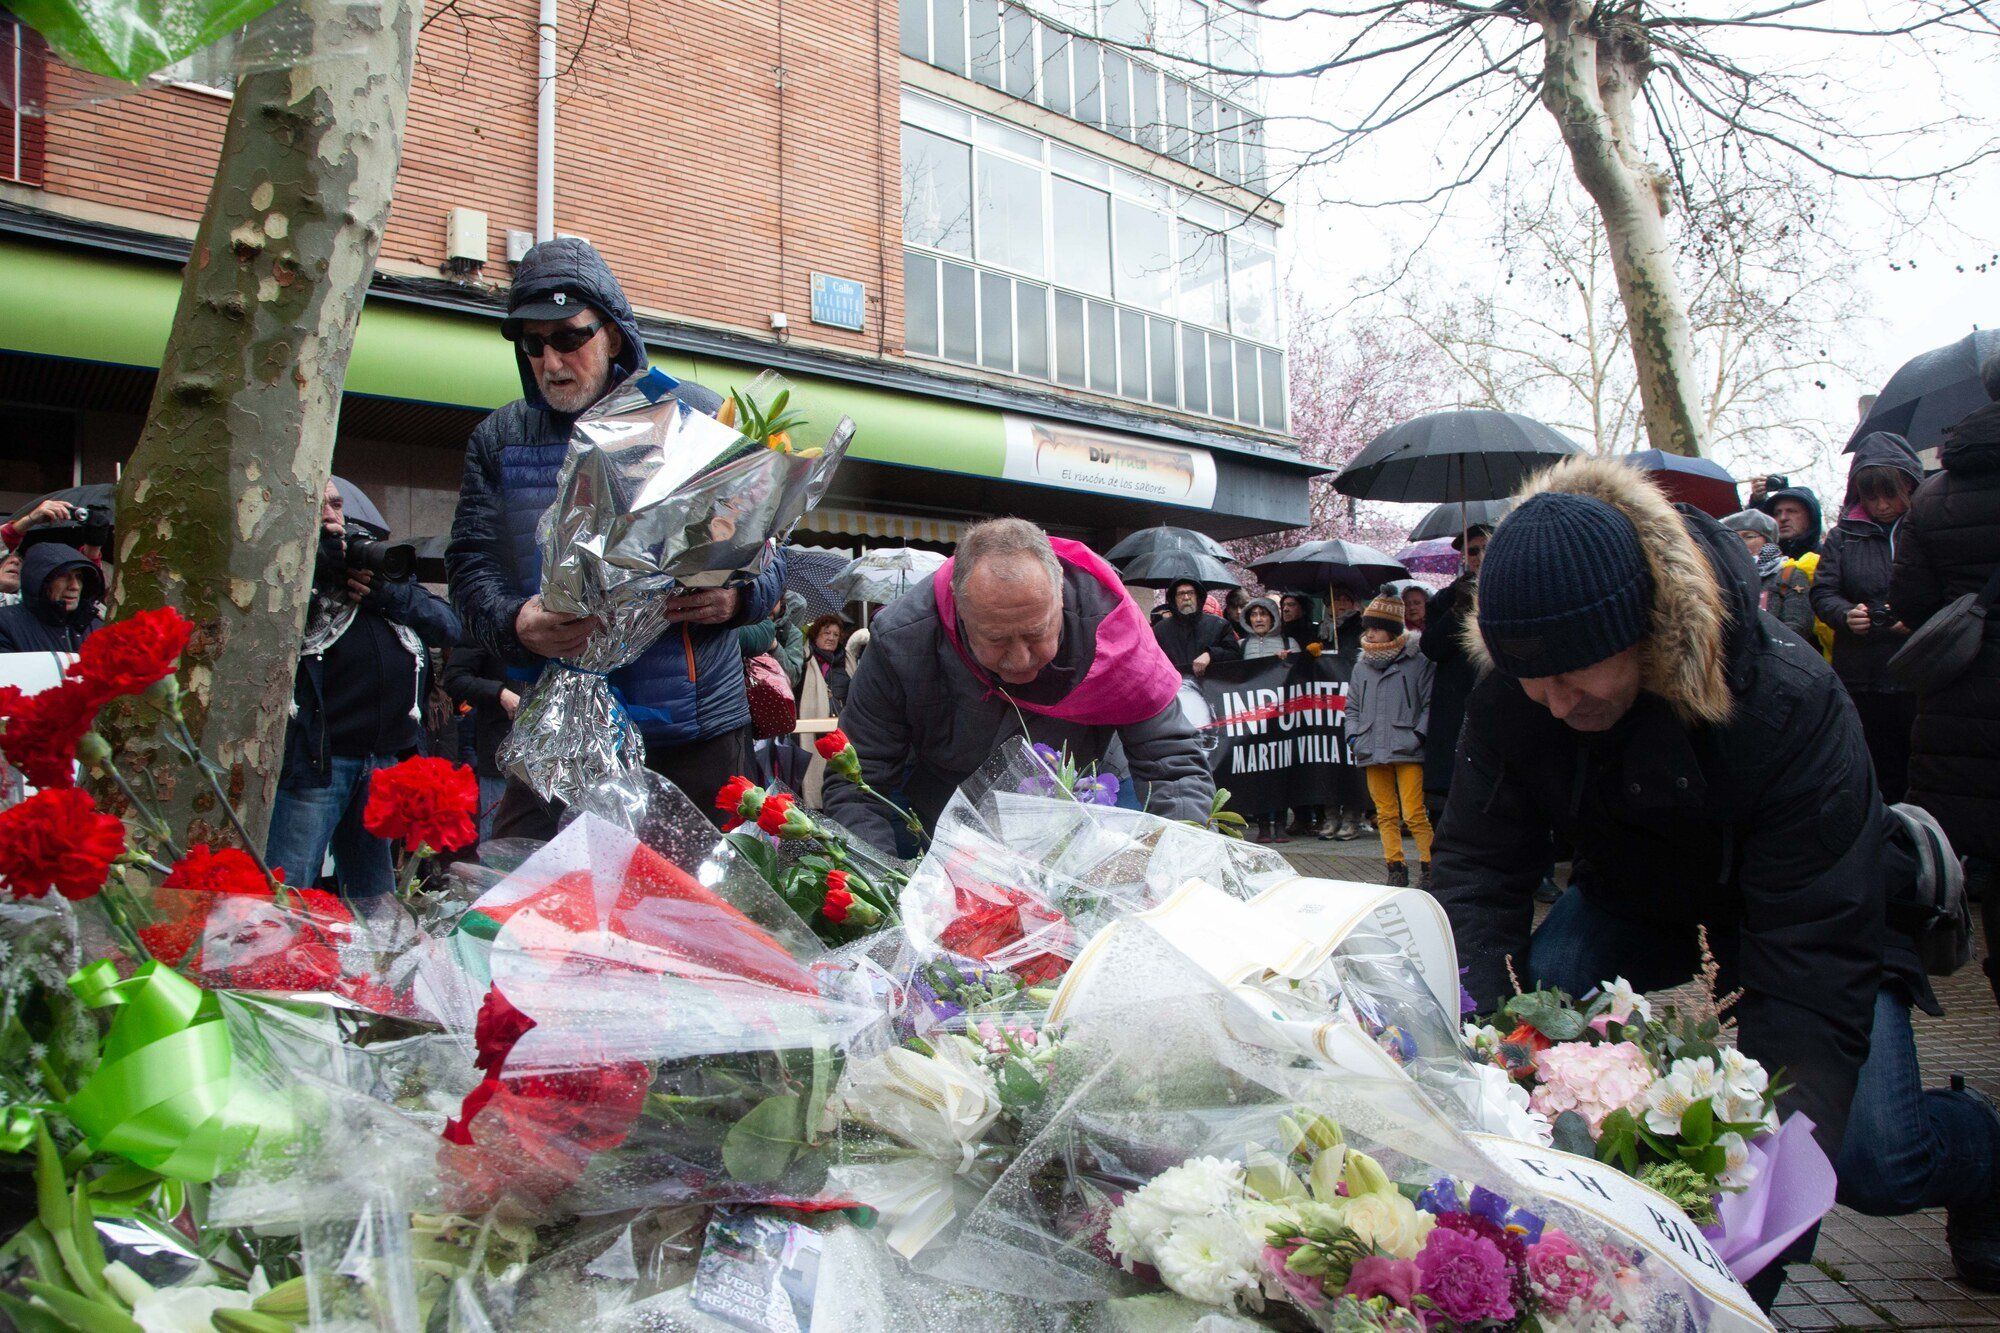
x=652, y=1076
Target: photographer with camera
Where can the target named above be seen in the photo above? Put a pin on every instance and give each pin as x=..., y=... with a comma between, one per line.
x=1851, y=593
x=357, y=700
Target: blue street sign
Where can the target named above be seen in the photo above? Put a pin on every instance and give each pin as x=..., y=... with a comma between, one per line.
x=839, y=302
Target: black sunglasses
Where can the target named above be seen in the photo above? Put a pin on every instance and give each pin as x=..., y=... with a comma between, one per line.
x=564, y=340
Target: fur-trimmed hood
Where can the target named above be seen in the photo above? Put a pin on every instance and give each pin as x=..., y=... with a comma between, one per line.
x=1704, y=587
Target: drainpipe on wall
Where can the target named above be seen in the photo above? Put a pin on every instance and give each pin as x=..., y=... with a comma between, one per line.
x=545, y=123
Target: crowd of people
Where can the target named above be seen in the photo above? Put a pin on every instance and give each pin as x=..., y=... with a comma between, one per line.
x=1702, y=720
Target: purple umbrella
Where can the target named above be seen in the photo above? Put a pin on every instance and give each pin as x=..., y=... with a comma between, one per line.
x=1436, y=556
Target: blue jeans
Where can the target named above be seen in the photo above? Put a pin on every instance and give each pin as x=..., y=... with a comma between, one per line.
x=490, y=792
x=306, y=821
x=1906, y=1148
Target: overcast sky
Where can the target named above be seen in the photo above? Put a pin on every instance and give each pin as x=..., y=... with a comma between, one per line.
x=1910, y=295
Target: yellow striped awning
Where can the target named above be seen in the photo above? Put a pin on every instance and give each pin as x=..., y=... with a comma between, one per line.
x=861, y=523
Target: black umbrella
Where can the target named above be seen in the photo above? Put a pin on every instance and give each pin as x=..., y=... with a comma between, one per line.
x=1471, y=454
x=430, y=558
x=1449, y=520
x=1316, y=566
x=356, y=507
x=1932, y=392
x=1154, y=541
x=99, y=498
x=1163, y=569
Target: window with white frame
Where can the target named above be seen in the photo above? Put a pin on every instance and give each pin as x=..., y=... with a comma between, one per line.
x=1029, y=258
x=1188, y=111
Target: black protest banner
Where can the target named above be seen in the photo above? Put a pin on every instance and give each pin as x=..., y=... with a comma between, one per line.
x=1279, y=729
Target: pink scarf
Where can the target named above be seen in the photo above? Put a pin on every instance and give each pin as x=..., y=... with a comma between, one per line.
x=1129, y=680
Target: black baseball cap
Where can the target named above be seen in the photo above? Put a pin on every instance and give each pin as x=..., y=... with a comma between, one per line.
x=560, y=303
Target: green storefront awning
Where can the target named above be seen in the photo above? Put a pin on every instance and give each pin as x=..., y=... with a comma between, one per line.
x=86, y=307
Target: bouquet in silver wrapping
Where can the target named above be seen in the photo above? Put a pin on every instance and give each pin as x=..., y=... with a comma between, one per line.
x=654, y=499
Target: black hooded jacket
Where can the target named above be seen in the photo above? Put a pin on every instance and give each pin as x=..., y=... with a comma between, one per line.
x=37, y=625
x=1797, y=548
x=1185, y=638
x=1855, y=562
x=1948, y=546
x=1737, y=793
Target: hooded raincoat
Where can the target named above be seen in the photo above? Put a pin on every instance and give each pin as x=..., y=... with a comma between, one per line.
x=35, y=624
x=1855, y=562
x=689, y=685
x=1186, y=637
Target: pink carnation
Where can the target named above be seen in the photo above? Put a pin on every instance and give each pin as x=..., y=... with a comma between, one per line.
x=1466, y=1278
x=1562, y=1279
x=1591, y=1080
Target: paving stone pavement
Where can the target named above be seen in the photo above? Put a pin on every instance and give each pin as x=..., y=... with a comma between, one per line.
x=1867, y=1272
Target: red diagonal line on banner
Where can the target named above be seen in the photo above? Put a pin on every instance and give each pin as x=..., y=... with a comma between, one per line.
x=1304, y=703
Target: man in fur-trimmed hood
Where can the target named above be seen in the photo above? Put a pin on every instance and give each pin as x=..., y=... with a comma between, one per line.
x=1708, y=769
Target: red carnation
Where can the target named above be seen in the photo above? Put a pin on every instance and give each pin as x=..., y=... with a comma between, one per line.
x=423, y=803
x=10, y=700
x=740, y=799
x=835, y=907
x=133, y=655
x=836, y=881
x=226, y=870
x=58, y=839
x=838, y=751
x=42, y=732
x=771, y=816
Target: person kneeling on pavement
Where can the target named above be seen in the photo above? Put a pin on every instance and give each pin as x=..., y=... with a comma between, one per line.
x=357, y=706
x=1709, y=770
x=1016, y=635
x=1388, y=710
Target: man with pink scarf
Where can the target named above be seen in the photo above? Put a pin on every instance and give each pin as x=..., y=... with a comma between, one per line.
x=1018, y=635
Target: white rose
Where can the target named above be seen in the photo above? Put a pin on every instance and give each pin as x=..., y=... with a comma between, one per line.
x=1211, y=1259
x=1389, y=1222
x=941, y=1104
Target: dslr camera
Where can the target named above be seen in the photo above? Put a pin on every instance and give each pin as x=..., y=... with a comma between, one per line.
x=341, y=554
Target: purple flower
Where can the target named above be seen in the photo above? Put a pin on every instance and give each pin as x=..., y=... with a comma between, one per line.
x=1465, y=1277
x=1098, y=789
x=1441, y=1198
x=1467, y=1006
x=1379, y=1275
x=1495, y=1209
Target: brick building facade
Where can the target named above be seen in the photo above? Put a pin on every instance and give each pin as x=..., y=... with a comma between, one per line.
x=722, y=156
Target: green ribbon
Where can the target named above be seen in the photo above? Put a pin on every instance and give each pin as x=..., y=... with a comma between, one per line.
x=165, y=1093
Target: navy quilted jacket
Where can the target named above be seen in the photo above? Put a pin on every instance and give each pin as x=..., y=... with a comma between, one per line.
x=686, y=687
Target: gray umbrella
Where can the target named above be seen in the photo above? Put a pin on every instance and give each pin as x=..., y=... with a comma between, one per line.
x=1471, y=454
x=880, y=577
x=1316, y=566
x=1153, y=541
x=810, y=573
x=1163, y=569
x=356, y=507
x=1931, y=392
x=1449, y=520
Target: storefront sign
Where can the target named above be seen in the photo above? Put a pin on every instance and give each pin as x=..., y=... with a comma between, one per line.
x=1076, y=459
x=1279, y=727
x=840, y=303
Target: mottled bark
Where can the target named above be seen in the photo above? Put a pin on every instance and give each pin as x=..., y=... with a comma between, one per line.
x=218, y=509
x=1595, y=64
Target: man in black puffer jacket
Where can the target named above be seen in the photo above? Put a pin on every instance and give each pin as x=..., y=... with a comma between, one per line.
x=1948, y=546
x=60, y=590
x=1708, y=768
x=575, y=338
